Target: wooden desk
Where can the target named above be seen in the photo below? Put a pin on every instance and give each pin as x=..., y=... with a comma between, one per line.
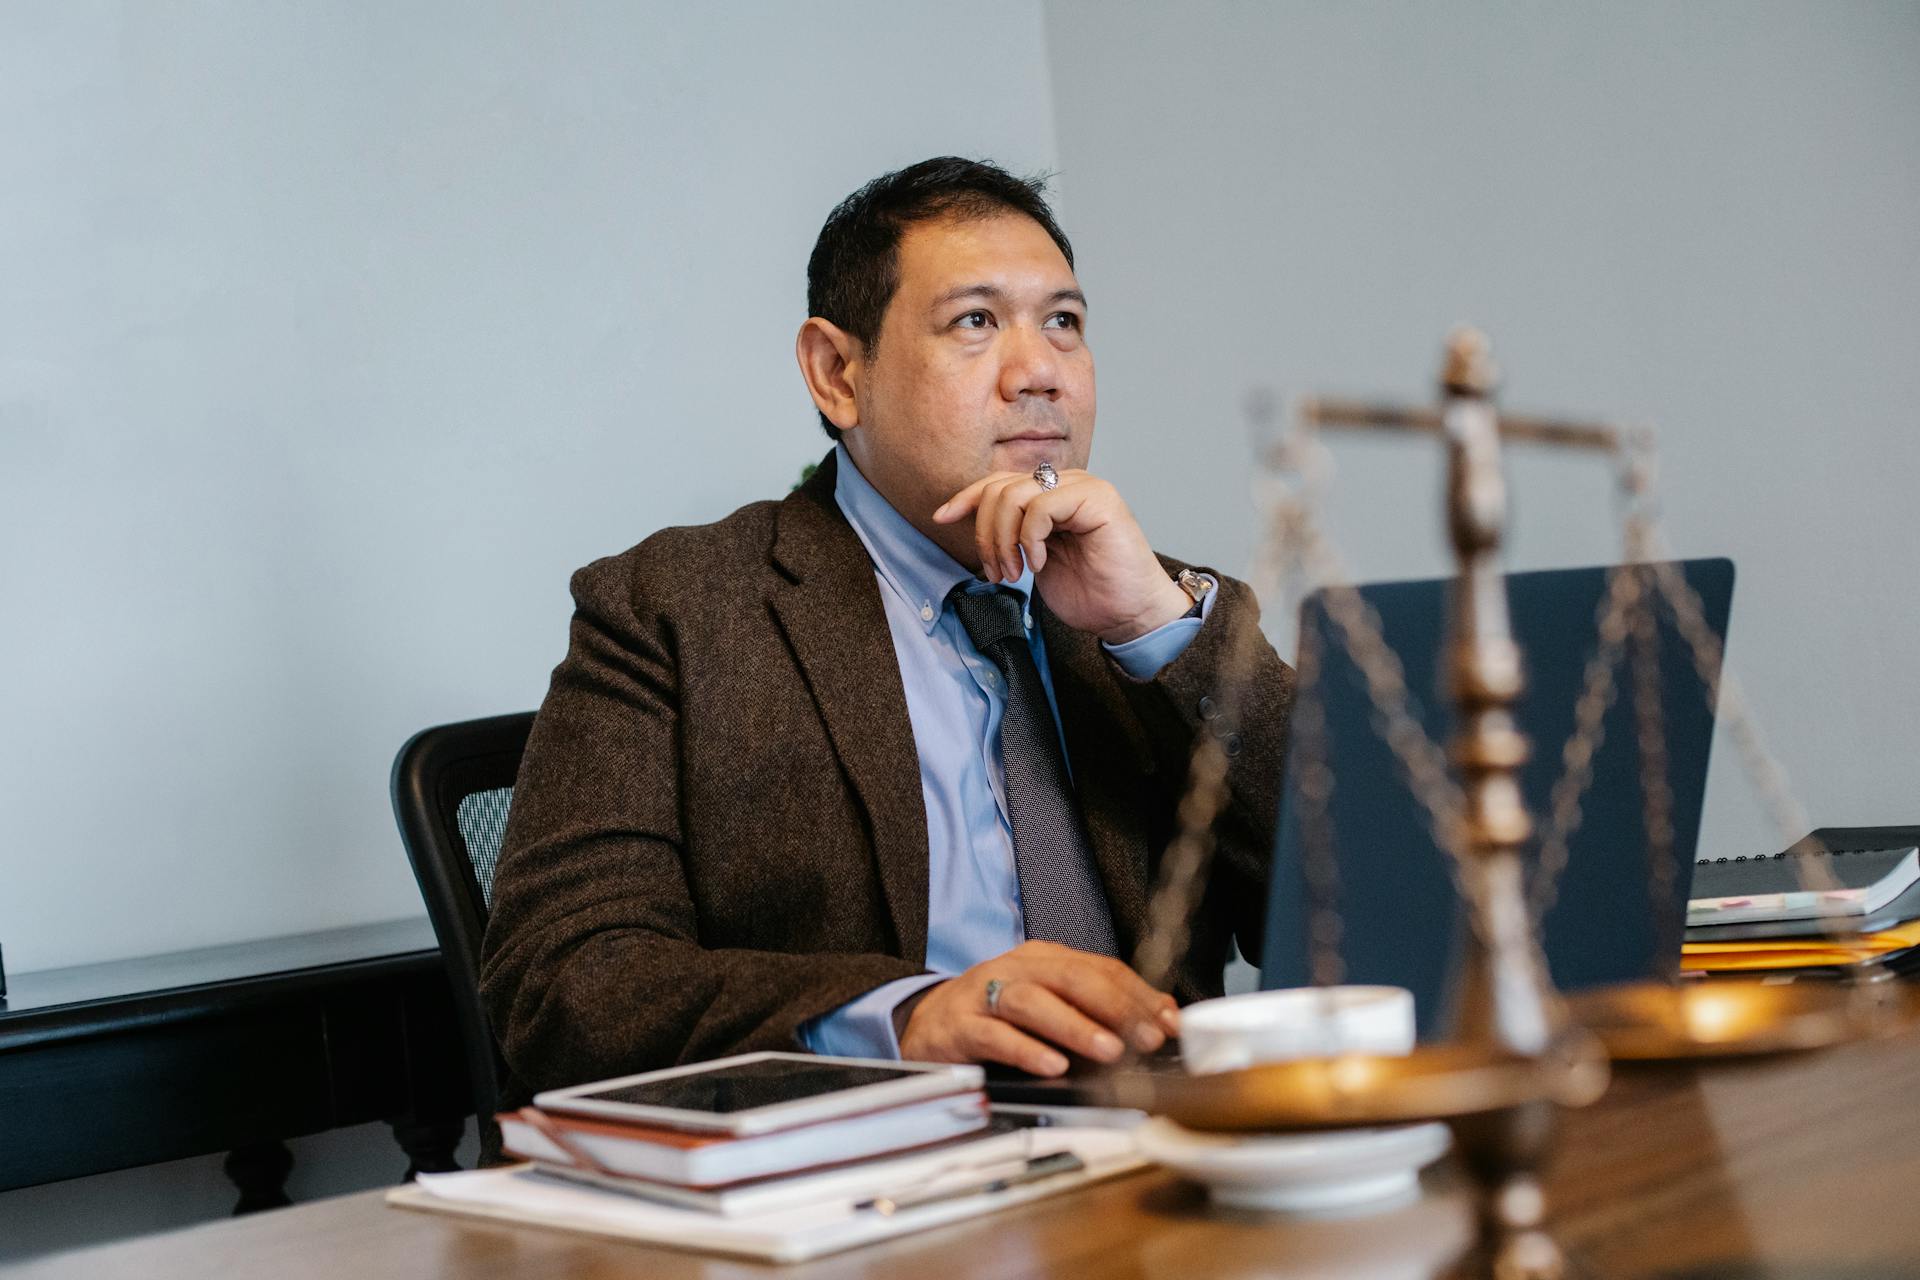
x=232, y=1049
x=1796, y=1167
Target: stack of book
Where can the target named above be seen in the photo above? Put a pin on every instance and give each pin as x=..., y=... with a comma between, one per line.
x=746, y=1175
x=1826, y=903
x=855, y=1151
x=778, y=1157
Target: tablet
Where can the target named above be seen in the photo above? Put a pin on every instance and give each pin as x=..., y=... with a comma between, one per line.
x=760, y=1092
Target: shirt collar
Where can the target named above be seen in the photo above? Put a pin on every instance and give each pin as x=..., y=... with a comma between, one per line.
x=908, y=561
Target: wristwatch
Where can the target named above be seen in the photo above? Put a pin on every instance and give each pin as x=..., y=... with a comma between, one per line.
x=1195, y=585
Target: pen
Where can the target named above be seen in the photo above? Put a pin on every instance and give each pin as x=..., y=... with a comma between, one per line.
x=1034, y=1170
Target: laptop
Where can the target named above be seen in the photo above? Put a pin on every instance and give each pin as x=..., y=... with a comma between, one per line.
x=1397, y=905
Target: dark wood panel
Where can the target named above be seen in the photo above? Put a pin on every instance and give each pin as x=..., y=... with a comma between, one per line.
x=157, y=1094
x=117, y=980
x=107, y=1066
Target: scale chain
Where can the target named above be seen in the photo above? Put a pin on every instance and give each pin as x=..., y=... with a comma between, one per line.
x=1296, y=547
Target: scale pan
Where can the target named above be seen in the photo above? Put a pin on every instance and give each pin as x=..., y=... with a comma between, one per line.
x=1434, y=1082
x=1726, y=1018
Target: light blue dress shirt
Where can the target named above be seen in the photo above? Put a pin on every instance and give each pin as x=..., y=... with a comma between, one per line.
x=955, y=698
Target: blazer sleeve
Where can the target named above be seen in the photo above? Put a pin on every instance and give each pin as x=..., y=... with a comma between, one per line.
x=593, y=964
x=1248, y=710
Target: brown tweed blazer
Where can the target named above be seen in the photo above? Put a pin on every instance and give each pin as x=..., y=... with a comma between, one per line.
x=718, y=830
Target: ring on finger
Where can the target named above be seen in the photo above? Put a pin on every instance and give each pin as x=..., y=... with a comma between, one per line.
x=1046, y=477
x=994, y=988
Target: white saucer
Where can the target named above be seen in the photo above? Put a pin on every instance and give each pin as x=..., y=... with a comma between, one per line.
x=1334, y=1171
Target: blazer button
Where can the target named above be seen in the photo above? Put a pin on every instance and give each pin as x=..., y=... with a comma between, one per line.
x=1231, y=745
x=1207, y=708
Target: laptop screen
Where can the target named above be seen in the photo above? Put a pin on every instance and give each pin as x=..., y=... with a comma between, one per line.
x=1397, y=906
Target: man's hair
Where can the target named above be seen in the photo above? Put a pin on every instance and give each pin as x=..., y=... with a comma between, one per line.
x=855, y=267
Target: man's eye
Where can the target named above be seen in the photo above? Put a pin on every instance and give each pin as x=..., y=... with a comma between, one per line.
x=974, y=320
x=1067, y=319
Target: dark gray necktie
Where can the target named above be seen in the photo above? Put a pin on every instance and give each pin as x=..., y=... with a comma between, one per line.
x=1059, y=893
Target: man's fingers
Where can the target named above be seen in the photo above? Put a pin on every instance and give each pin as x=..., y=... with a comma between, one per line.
x=1036, y=523
x=1099, y=986
x=1032, y=1007
x=1164, y=1013
x=957, y=507
x=991, y=503
x=1019, y=516
x=1071, y=508
x=991, y=1039
x=1113, y=994
x=1003, y=505
x=1054, y=998
x=1000, y=526
x=986, y=510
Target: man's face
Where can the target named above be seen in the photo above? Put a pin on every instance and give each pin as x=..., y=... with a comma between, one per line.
x=982, y=365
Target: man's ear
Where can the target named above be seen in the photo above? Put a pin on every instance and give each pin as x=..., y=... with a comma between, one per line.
x=832, y=361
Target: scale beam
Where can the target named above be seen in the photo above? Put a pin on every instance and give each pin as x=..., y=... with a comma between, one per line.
x=1369, y=415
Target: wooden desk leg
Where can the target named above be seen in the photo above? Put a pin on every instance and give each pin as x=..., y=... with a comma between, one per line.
x=429, y=1144
x=260, y=1170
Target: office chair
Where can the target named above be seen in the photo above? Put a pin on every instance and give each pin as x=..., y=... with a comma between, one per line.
x=452, y=786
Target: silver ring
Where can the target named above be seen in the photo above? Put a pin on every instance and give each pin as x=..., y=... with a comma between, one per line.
x=994, y=988
x=1046, y=477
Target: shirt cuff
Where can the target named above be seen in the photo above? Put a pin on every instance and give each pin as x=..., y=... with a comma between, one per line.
x=863, y=1026
x=1143, y=656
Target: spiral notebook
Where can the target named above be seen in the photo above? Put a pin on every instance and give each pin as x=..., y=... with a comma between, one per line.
x=1788, y=885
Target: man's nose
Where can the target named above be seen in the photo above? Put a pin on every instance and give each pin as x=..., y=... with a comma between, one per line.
x=1030, y=365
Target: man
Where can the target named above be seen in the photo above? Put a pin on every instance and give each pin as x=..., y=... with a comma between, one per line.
x=887, y=767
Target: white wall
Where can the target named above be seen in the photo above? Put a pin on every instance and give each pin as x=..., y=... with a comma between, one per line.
x=1704, y=215
x=333, y=337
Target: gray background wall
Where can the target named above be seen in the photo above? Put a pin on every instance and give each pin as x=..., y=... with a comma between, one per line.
x=1705, y=216
x=329, y=334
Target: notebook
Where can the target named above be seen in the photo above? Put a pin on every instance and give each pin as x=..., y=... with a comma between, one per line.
x=1901, y=910
x=1788, y=885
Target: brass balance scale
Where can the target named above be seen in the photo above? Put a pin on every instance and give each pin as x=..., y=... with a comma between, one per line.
x=1517, y=1050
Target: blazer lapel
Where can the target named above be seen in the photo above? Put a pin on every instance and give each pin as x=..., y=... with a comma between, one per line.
x=831, y=614
x=1110, y=761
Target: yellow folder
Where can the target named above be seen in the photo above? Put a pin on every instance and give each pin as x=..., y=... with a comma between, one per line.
x=1796, y=953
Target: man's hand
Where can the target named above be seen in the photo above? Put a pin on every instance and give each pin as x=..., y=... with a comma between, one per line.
x=1050, y=996
x=1091, y=562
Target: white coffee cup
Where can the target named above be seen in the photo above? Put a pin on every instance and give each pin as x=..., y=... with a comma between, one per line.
x=1233, y=1032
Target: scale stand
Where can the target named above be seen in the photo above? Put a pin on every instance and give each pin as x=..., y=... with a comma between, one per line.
x=1513, y=1057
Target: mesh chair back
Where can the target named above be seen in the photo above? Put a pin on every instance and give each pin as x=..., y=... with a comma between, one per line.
x=482, y=819
x=452, y=791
